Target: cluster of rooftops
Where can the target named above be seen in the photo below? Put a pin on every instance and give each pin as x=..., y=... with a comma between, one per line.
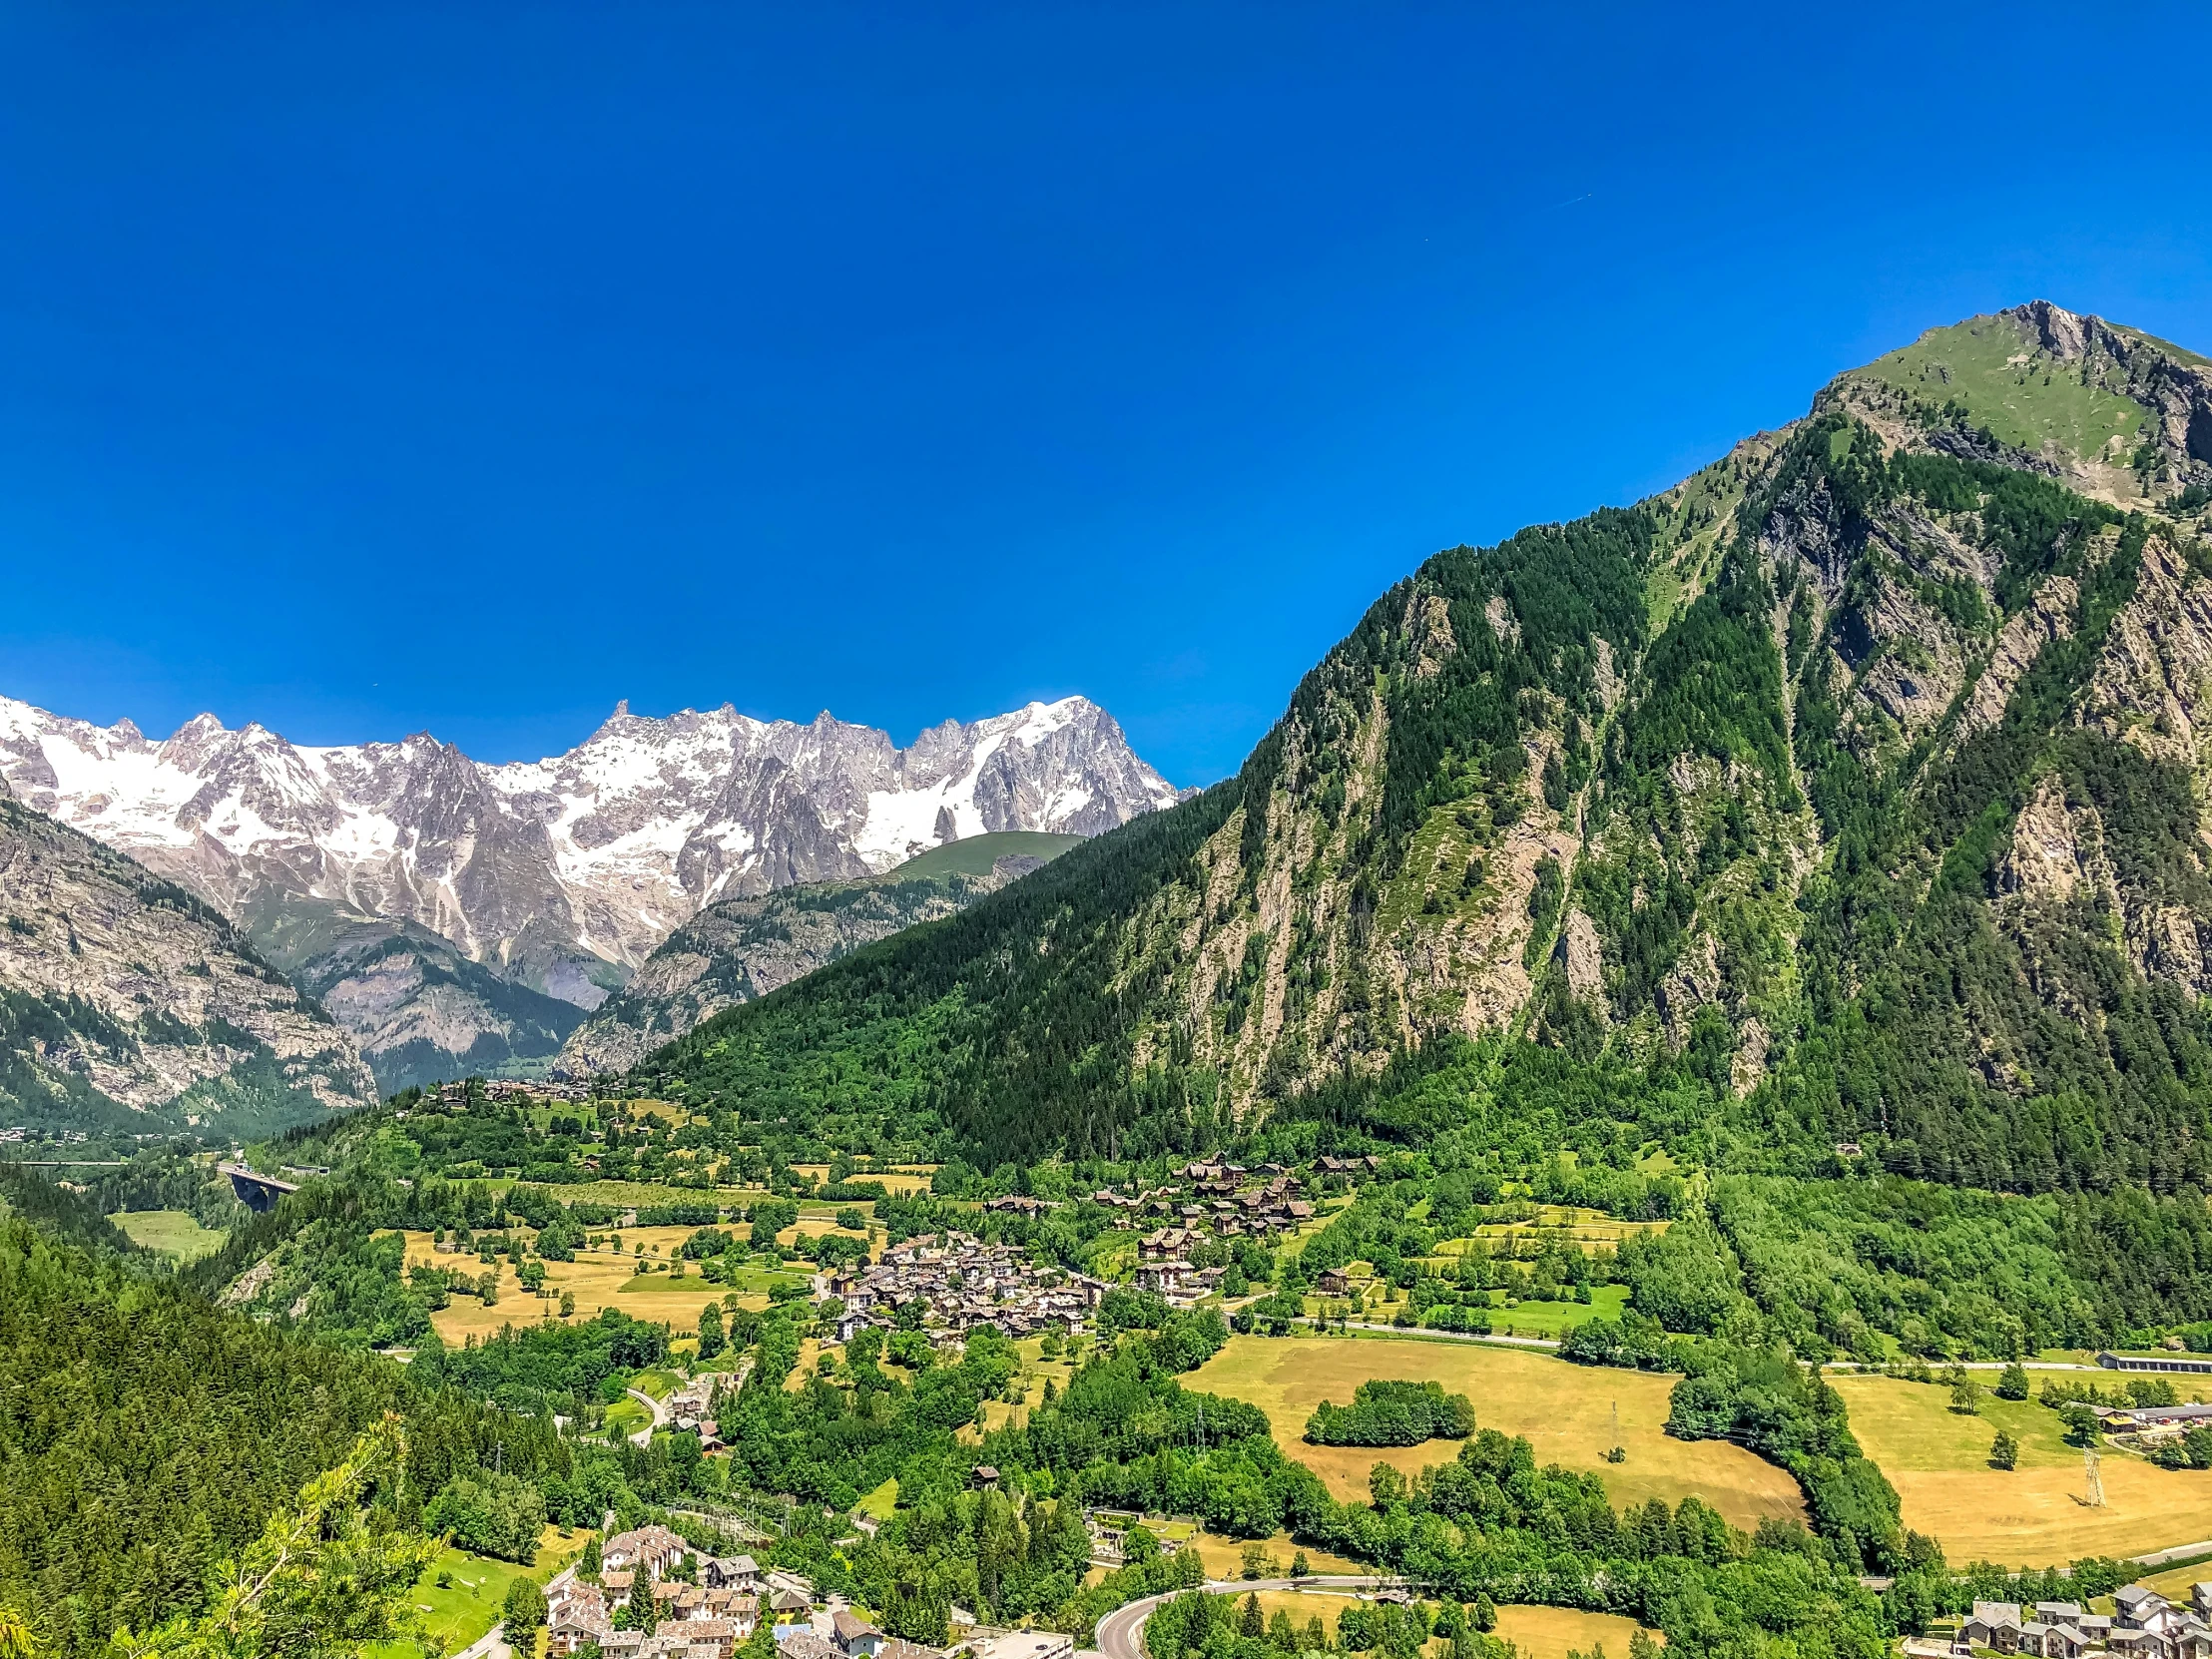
x=2142, y=1623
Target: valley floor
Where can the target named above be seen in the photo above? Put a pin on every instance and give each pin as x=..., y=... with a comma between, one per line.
x=1566, y=1411
x=2032, y=1515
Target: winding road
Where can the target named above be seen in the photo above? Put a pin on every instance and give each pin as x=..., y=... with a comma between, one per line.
x=1121, y=1632
x=644, y=1436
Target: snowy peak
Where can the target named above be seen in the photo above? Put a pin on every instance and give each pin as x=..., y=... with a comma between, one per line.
x=551, y=871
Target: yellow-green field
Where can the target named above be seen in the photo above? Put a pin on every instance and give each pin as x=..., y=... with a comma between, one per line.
x=1569, y=1223
x=898, y=1184
x=602, y=1277
x=469, y=1604
x=1554, y=1632
x=1565, y=1412
x=1538, y=1632
x=1224, y=1557
x=172, y=1231
x=2033, y=1516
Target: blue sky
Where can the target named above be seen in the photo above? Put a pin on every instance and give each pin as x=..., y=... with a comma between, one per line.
x=466, y=369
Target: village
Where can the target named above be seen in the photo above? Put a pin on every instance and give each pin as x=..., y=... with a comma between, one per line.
x=705, y=1606
x=955, y=1281
x=2142, y=1626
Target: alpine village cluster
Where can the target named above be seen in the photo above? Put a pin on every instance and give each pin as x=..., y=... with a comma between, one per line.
x=1667, y=1106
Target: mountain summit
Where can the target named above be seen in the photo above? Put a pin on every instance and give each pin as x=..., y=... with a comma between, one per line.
x=417, y=890
x=1847, y=793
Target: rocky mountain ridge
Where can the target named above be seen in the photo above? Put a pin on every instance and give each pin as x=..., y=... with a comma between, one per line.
x=743, y=948
x=552, y=880
x=127, y=1003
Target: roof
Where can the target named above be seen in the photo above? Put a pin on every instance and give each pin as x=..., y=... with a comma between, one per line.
x=848, y=1625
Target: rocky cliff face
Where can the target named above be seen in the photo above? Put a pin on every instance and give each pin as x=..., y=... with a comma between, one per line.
x=558, y=876
x=125, y=1002
x=743, y=948
x=419, y=1009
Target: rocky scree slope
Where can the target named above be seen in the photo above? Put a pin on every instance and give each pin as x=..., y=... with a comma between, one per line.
x=1855, y=779
x=559, y=877
x=127, y=1003
x=743, y=948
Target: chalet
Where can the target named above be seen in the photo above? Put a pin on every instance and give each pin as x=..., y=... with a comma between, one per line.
x=654, y=1548
x=1166, y=1241
x=1161, y=1277
x=854, y=1636
x=733, y=1572
x=1333, y=1282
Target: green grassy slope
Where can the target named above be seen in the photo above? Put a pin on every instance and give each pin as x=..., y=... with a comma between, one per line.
x=977, y=854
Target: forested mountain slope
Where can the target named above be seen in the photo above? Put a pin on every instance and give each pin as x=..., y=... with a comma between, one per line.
x=419, y=1009
x=743, y=948
x=125, y=1004
x=1845, y=793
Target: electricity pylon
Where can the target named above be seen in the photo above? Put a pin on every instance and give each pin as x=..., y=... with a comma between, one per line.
x=2093, y=1476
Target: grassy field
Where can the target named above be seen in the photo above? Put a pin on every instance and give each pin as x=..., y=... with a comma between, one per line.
x=1538, y=1632
x=881, y=1501
x=1565, y=1412
x=456, y=1615
x=602, y=1277
x=1550, y=1318
x=2008, y=385
x=975, y=855
x=2030, y=1516
x=898, y=1184
x=1224, y=1557
x=172, y=1231
x=1554, y=1632
x=1569, y=1223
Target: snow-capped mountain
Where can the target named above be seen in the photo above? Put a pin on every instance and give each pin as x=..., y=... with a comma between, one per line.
x=563, y=873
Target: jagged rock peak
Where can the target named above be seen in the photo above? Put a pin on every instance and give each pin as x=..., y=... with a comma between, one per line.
x=554, y=869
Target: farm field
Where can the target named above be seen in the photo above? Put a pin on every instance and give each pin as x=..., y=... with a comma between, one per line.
x=1564, y=1411
x=1224, y=1558
x=599, y=1278
x=898, y=1184
x=2030, y=1516
x=1567, y=1223
x=1551, y=1318
x=1554, y=1632
x=1538, y=1632
x=172, y=1231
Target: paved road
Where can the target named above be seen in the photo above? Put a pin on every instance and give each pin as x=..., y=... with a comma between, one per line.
x=1547, y=1344
x=2159, y=1557
x=492, y=1644
x=1121, y=1632
x=644, y=1436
